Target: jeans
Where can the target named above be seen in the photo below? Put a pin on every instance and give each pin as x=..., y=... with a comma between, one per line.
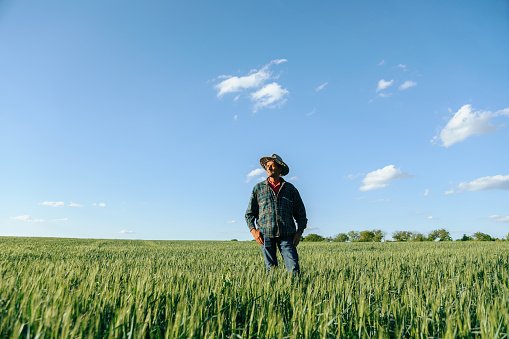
x=287, y=249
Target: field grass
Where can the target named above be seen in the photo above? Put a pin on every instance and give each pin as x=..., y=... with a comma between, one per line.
x=77, y=288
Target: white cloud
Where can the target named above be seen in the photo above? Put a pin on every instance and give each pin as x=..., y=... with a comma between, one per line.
x=236, y=84
x=431, y=218
x=384, y=95
x=265, y=95
x=353, y=176
x=254, y=79
x=401, y=66
x=52, y=203
x=322, y=86
x=381, y=63
x=466, y=123
x=499, y=218
x=270, y=96
x=312, y=228
x=382, y=84
x=28, y=218
x=235, y=117
x=407, y=84
x=486, y=183
x=292, y=179
x=381, y=178
x=231, y=222
x=278, y=61
x=311, y=113
x=126, y=232
x=426, y=192
x=73, y=204
x=451, y=191
x=254, y=173
x=101, y=204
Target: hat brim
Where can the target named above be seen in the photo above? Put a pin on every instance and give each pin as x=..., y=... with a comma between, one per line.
x=285, y=169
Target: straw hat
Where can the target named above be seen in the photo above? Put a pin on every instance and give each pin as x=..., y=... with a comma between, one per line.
x=279, y=160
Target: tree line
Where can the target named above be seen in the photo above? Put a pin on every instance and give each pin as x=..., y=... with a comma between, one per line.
x=378, y=236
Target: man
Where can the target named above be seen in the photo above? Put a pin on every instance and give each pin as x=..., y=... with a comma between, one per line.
x=274, y=204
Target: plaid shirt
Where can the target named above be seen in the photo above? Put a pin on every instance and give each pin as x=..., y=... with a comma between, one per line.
x=275, y=215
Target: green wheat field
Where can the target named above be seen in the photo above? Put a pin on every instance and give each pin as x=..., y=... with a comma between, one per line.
x=85, y=288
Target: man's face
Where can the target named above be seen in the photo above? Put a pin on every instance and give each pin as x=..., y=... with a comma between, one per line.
x=273, y=169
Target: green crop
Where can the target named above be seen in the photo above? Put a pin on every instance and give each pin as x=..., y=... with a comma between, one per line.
x=82, y=288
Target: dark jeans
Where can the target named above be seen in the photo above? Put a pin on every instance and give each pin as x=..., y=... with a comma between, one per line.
x=287, y=249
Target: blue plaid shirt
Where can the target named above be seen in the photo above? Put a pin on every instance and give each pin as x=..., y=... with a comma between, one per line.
x=275, y=215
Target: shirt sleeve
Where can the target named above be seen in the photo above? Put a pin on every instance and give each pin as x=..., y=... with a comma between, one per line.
x=252, y=211
x=299, y=211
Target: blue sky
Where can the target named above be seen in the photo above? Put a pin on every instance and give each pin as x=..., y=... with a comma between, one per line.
x=147, y=120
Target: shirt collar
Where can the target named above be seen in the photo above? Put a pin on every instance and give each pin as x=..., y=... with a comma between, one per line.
x=281, y=180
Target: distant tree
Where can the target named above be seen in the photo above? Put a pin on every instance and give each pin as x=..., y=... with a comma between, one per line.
x=366, y=236
x=433, y=235
x=465, y=238
x=402, y=235
x=354, y=235
x=379, y=235
x=398, y=235
x=479, y=236
x=418, y=237
x=444, y=235
x=341, y=237
x=234, y=240
x=440, y=234
x=314, y=237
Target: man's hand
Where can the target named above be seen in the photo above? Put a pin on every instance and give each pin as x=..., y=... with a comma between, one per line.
x=257, y=235
x=296, y=238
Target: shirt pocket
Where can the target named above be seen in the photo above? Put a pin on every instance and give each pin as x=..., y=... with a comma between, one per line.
x=286, y=204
